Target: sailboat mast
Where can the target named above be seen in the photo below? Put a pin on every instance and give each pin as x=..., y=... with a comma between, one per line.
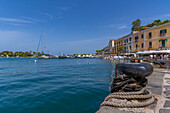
x=41, y=43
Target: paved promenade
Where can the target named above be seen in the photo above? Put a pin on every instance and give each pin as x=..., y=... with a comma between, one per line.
x=159, y=85
x=165, y=103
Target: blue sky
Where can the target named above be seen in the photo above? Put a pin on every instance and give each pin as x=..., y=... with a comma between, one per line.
x=72, y=26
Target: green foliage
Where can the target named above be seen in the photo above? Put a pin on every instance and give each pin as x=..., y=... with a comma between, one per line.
x=20, y=54
x=10, y=53
x=121, y=49
x=42, y=52
x=98, y=51
x=136, y=25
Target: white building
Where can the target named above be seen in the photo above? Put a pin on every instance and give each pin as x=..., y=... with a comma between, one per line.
x=128, y=43
x=111, y=45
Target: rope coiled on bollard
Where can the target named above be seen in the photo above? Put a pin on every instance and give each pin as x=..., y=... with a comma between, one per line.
x=129, y=105
x=128, y=89
x=140, y=98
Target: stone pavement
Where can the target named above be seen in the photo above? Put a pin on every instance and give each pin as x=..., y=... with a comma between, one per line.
x=165, y=100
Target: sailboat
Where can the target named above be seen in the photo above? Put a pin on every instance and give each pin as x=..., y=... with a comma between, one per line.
x=42, y=56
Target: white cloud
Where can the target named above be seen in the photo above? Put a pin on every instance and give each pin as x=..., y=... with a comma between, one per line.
x=51, y=17
x=10, y=36
x=17, y=40
x=15, y=20
x=122, y=27
x=118, y=26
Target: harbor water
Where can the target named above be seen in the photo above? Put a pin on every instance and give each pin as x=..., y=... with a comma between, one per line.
x=53, y=85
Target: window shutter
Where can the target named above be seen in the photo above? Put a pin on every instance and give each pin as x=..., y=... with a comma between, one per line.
x=160, y=31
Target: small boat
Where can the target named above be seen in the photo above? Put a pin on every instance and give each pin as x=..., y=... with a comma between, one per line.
x=62, y=56
x=43, y=57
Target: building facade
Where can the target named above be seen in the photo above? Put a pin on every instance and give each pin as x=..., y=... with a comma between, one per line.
x=117, y=45
x=154, y=38
x=111, y=45
x=138, y=41
x=128, y=43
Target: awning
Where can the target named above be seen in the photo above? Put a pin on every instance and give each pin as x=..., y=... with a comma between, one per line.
x=153, y=52
x=163, y=40
x=129, y=53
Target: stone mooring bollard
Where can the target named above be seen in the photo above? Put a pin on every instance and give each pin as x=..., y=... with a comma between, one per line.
x=128, y=89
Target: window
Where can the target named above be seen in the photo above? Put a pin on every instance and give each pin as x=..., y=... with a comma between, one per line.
x=124, y=41
x=142, y=36
x=136, y=38
x=150, y=35
x=124, y=48
x=163, y=43
x=127, y=40
x=141, y=45
x=130, y=39
x=136, y=46
x=130, y=47
x=162, y=32
x=150, y=44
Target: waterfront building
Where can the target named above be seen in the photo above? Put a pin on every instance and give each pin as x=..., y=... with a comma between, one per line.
x=117, y=44
x=128, y=43
x=138, y=41
x=110, y=46
x=155, y=38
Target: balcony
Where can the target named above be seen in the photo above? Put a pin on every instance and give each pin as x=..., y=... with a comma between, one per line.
x=162, y=34
x=163, y=46
x=136, y=40
x=149, y=37
x=149, y=47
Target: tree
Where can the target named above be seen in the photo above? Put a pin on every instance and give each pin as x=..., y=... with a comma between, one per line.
x=42, y=52
x=136, y=25
x=98, y=51
x=34, y=52
x=157, y=21
x=121, y=49
x=39, y=53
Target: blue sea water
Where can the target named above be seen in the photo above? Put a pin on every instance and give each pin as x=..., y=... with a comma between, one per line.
x=53, y=85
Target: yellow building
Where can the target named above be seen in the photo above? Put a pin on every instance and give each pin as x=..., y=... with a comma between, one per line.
x=117, y=44
x=138, y=41
x=155, y=38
